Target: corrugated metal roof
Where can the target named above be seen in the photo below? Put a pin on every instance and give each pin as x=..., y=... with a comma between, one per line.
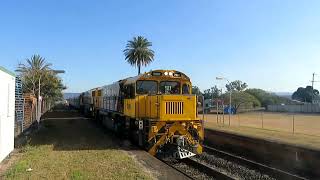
x=7, y=71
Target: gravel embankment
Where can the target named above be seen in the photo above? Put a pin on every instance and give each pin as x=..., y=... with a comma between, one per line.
x=237, y=171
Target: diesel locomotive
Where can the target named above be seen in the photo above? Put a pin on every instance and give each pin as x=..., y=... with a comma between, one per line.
x=156, y=110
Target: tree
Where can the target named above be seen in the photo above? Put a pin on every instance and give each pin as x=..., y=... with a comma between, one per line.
x=236, y=86
x=138, y=52
x=305, y=94
x=37, y=68
x=196, y=91
x=243, y=99
x=267, y=98
x=213, y=92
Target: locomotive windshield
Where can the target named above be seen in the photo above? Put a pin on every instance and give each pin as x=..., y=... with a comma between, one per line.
x=185, y=89
x=169, y=87
x=147, y=87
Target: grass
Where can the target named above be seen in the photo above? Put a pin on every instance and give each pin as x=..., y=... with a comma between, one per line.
x=73, y=149
x=303, y=123
x=277, y=127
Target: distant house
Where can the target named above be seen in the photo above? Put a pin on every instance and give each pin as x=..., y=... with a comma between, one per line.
x=7, y=111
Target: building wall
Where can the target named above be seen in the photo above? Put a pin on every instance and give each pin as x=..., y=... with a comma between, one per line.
x=7, y=108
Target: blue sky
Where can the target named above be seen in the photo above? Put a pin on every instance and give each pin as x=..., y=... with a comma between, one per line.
x=270, y=44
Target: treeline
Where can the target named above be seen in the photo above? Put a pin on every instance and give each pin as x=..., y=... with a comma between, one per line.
x=241, y=95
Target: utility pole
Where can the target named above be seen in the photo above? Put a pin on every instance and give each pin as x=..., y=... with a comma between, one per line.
x=312, y=84
x=39, y=102
x=230, y=94
x=313, y=74
x=38, y=110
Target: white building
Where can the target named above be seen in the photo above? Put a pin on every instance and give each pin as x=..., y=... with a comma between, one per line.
x=7, y=108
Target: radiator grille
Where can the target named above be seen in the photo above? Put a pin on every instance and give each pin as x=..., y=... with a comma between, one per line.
x=174, y=107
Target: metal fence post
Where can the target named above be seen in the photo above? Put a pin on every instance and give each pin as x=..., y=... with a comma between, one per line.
x=223, y=111
x=262, y=119
x=203, y=108
x=217, y=111
x=293, y=123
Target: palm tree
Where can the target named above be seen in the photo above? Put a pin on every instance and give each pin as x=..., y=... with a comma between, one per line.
x=35, y=63
x=37, y=68
x=137, y=52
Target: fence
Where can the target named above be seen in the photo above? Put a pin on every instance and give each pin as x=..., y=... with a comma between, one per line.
x=303, y=108
x=286, y=122
x=27, y=104
x=19, y=106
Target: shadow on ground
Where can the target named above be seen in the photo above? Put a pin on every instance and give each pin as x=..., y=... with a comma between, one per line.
x=74, y=133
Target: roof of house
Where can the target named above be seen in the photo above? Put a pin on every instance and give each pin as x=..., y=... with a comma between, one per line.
x=7, y=71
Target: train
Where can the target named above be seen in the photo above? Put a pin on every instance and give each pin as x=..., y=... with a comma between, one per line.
x=156, y=110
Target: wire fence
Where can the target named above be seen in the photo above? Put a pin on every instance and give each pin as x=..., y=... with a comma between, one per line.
x=285, y=122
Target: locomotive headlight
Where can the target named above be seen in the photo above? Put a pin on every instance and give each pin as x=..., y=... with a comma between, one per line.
x=166, y=73
x=170, y=73
x=154, y=129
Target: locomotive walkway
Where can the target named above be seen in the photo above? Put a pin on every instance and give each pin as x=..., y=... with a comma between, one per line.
x=68, y=146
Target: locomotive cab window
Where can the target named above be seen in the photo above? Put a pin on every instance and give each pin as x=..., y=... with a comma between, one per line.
x=169, y=87
x=147, y=87
x=185, y=89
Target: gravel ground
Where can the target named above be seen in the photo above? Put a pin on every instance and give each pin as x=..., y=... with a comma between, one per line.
x=230, y=168
x=191, y=171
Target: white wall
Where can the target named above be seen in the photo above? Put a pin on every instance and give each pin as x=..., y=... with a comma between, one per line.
x=7, y=108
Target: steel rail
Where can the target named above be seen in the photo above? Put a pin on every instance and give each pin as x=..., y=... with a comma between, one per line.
x=177, y=169
x=207, y=169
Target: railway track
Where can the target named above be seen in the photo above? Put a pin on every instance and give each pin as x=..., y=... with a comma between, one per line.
x=274, y=172
x=196, y=170
x=207, y=169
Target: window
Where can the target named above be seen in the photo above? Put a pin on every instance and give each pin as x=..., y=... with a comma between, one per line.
x=147, y=87
x=156, y=73
x=129, y=91
x=169, y=87
x=185, y=89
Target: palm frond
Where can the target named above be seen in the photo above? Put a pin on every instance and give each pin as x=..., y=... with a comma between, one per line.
x=138, y=52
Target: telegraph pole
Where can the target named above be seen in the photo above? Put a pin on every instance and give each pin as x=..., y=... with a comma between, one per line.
x=312, y=83
x=313, y=74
